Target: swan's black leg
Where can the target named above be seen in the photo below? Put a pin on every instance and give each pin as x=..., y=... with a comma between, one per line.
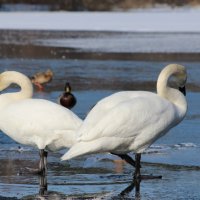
x=127, y=158
x=128, y=189
x=137, y=174
x=43, y=162
x=136, y=163
x=134, y=184
x=43, y=185
x=42, y=170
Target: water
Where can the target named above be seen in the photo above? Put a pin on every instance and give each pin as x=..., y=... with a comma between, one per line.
x=175, y=156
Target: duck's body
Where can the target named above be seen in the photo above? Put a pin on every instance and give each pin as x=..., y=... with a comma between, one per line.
x=67, y=99
x=132, y=120
x=41, y=78
x=35, y=122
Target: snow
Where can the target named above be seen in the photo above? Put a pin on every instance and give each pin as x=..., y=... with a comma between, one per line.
x=143, y=21
x=175, y=30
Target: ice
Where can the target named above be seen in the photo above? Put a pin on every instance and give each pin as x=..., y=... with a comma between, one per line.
x=131, y=43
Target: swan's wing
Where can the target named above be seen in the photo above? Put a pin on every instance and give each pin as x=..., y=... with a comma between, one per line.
x=130, y=126
x=35, y=118
x=105, y=105
x=130, y=118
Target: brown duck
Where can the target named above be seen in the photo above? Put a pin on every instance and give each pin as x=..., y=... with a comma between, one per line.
x=41, y=78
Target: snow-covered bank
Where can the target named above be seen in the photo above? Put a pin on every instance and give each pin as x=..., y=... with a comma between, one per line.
x=171, y=21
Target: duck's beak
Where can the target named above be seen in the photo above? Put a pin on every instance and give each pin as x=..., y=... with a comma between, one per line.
x=183, y=90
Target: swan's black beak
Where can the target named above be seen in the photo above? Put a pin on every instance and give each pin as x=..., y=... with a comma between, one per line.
x=182, y=89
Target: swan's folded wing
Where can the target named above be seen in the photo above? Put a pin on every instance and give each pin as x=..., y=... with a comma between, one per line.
x=104, y=106
x=131, y=118
x=39, y=117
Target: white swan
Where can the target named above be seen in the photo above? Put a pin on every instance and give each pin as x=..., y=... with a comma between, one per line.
x=35, y=122
x=132, y=120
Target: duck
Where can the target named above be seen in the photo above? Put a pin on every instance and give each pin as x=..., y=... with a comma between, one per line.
x=131, y=121
x=67, y=99
x=41, y=78
x=39, y=123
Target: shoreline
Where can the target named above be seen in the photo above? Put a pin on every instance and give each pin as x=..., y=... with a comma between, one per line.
x=28, y=44
x=45, y=52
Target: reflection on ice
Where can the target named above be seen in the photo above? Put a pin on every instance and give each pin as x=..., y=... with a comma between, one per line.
x=130, y=43
x=185, y=145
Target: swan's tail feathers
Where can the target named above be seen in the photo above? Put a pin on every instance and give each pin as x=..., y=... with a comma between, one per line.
x=76, y=150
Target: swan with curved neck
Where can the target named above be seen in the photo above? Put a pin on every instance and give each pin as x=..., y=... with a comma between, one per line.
x=35, y=122
x=132, y=120
x=171, y=94
x=9, y=77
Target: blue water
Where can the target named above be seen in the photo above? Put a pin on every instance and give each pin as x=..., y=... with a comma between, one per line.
x=174, y=156
x=136, y=71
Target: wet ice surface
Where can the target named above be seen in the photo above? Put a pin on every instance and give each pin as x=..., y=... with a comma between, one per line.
x=175, y=156
x=131, y=43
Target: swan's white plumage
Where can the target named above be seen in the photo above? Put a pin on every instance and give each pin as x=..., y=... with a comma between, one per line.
x=131, y=120
x=34, y=122
x=9, y=77
x=39, y=123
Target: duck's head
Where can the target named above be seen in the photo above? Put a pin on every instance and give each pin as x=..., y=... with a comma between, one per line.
x=49, y=73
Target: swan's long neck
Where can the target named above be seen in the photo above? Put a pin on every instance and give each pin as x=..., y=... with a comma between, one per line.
x=22, y=81
x=171, y=94
x=26, y=88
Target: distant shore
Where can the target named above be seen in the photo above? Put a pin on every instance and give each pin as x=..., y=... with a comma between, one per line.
x=95, y=5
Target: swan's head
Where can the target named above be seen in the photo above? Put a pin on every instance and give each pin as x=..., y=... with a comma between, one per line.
x=173, y=71
x=180, y=78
